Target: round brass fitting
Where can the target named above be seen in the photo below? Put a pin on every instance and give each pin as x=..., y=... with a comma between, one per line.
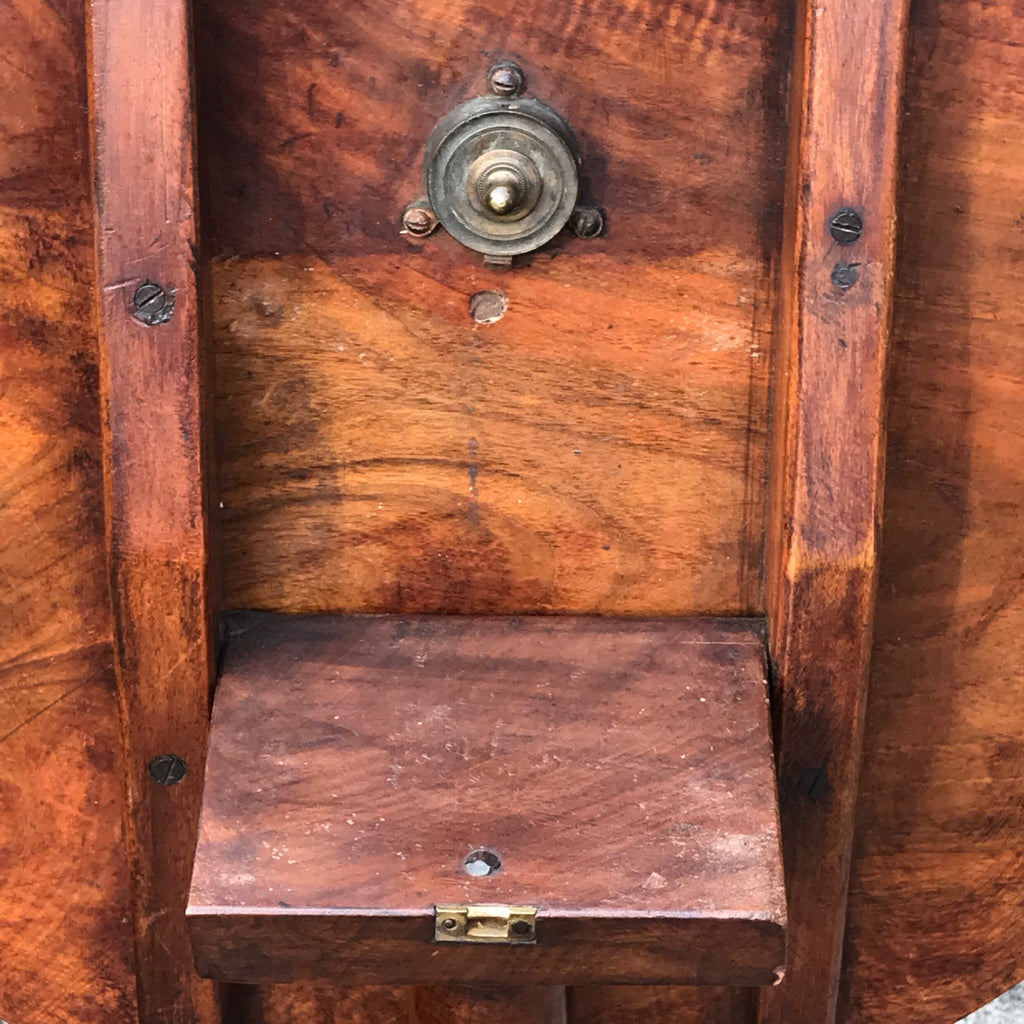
x=502, y=174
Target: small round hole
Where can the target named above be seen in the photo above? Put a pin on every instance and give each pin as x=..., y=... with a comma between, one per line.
x=482, y=862
x=521, y=928
x=488, y=307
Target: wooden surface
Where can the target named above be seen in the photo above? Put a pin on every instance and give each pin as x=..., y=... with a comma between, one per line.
x=380, y=451
x=622, y=771
x=67, y=957
x=936, y=920
x=828, y=464
x=660, y=1004
x=156, y=520
x=935, y=897
x=481, y=1005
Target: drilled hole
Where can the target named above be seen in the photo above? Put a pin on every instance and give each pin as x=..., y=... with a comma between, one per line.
x=488, y=307
x=481, y=863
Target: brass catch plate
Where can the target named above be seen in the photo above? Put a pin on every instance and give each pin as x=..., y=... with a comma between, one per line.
x=510, y=925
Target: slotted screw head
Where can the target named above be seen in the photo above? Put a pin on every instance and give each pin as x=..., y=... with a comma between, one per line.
x=506, y=79
x=846, y=226
x=167, y=769
x=153, y=304
x=586, y=222
x=419, y=221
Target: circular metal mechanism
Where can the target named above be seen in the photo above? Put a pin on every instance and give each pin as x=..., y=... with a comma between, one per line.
x=502, y=174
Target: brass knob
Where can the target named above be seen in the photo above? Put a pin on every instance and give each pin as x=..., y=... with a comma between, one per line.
x=502, y=198
x=502, y=174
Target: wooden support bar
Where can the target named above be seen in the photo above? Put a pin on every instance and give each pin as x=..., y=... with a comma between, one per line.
x=828, y=460
x=481, y=1004
x=156, y=519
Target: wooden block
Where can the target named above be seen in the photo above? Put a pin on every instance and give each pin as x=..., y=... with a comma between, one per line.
x=603, y=447
x=621, y=770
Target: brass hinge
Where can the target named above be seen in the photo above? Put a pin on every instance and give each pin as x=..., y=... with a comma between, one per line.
x=455, y=923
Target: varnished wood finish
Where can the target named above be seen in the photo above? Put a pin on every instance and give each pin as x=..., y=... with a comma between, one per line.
x=621, y=769
x=936, y=919
x=827, y=465
x=509, y=1004
x=156, y=521
x=318, y=1004
x=602, y=447
x=66, y=956
x=660, y=1004
x=935, y=909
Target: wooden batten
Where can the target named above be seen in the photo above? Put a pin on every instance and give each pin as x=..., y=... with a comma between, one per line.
x=153, y=433
x=828, y=462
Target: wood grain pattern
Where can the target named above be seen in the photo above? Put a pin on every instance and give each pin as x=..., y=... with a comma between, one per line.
x=67, y=957
x=602, y=447
x=828, y=456
x=936, y=919
x=622, y=770
x=318, y=1004
x=660, y=1004
x=479, y=1004
x=151, y=384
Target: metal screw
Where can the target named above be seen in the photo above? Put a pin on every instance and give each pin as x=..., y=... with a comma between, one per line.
x=418, y=220
x=167, y=769
x=449, y=924
x=153, y=304
x=846, y=226
x=814, y=783
x=586, y=222
x=845, y=275
x=506, y=79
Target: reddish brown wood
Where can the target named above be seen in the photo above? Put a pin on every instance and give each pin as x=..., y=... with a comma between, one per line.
x=659, y=1004
x=382, y=452
x=319, y=1004
x=483, y=1005
x=621, y=768
x=66, y=955
x=828, y=463
x=936, y=917
x=156, y=521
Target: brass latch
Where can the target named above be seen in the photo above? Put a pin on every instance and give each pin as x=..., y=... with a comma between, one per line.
x=454, y=923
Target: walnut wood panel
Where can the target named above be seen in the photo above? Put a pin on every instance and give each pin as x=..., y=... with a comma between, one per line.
x=151, y=385
x=601, y=447
x=66, y=955
x=621, y=769
x=827, y=466
x=318, y=1004
x=936, y=919
x=660, y=1004
x=482, y=1005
